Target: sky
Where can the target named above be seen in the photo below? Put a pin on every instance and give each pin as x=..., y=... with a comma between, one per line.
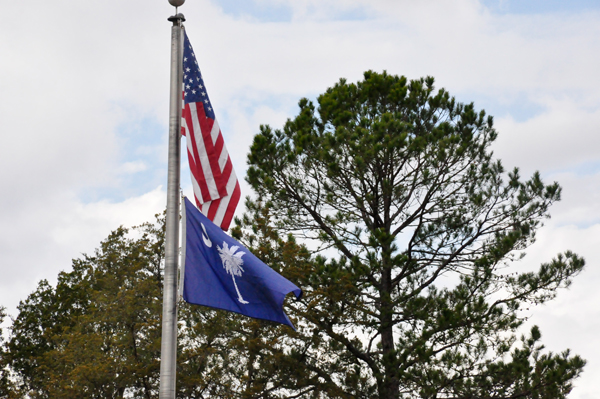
x=84, y=113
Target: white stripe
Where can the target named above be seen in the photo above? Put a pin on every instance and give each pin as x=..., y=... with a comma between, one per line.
x=195, y=185
x=197, y=191
x=190, y=154
x=204, y=161
x=225, y=200
x=215, y=133
x=210, y=180
x=223, y=157
x=216, y=130
x=205, y=207
x=184, y=125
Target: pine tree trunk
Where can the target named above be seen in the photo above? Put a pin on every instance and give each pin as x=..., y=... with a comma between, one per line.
x=389, y=388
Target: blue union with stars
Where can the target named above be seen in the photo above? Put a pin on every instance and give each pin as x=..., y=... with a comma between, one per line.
x=193, y=85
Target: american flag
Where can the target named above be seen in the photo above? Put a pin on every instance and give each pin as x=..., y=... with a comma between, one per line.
x=215, y=184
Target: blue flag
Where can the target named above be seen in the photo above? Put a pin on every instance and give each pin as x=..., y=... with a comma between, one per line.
x=222, y=273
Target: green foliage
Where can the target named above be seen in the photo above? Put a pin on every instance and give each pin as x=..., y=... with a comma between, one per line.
x=225, y=355
x=386, y=206
x=97, y=334
x=411, y=288
x=6, y=386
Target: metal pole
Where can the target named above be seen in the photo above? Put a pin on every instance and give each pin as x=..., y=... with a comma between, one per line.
x=168, y=351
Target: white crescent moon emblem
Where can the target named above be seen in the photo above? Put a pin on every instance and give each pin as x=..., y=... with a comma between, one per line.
x=205, y=238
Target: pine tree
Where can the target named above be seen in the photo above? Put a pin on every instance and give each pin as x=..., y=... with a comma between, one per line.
x=415, y=233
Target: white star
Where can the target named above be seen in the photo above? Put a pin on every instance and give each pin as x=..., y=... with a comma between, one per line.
x=206, y=101
x=191, y=80
x=209, y=108
x=184, y=59
x=193, y=91
x=187, y=69
x=187, y=86
x=200, y=86
x=184, y=77
x=203, y=94
x=198, y=79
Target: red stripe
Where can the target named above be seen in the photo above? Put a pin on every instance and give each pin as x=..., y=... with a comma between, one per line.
x=219, y=143
x=221, y=178
x=235, y=198
x=212, y=210
x=196, y=167
x=227, y=169
x=206, y=125
x=196, y=174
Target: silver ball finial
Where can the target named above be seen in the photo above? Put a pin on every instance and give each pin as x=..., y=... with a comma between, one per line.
x=176, y=3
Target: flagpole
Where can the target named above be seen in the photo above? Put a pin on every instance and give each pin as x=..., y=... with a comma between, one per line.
x=169, y=319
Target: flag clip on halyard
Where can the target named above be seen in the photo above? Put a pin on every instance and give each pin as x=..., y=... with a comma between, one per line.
x=221, y=273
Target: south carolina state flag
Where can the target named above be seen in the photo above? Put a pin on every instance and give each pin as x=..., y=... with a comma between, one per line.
x=221, y=273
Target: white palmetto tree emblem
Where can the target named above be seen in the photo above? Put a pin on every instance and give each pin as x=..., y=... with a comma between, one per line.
x=232, y=262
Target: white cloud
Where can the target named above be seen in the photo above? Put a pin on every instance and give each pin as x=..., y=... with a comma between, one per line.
x=561, y=138
x=571, y=320
x=74, y=76
x=134, y=167
x=38, y=242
